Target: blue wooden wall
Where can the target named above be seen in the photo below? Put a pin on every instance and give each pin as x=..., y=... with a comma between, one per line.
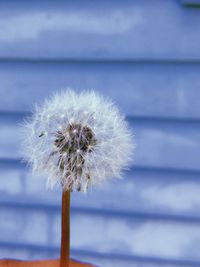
x=146, y=56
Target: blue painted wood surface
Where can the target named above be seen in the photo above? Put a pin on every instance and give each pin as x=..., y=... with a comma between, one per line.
x=107, y=29
x=166, y=90
x=146, y=56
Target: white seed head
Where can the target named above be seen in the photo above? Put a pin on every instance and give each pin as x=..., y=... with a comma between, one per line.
x=84, y=141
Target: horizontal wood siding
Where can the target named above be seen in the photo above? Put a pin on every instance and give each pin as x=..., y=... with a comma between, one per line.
x=147, y=89
x=145, y=55
x=104, y=29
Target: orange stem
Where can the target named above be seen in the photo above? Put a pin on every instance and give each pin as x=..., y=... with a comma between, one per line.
x=65, y=230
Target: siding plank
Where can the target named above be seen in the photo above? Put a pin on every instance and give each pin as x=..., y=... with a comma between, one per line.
x=140, y=89
x=122, y=29
x=170, y=240
x=151, y=194
x=23, y=226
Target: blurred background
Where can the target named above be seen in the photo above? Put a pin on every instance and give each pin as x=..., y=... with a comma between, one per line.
x=145, y=55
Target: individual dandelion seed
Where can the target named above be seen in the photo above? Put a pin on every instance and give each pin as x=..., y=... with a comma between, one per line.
x=77, y=140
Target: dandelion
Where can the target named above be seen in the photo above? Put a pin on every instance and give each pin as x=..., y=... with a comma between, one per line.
x=77, y=140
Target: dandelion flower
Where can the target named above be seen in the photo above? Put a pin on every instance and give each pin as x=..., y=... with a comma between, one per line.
x=77, y=140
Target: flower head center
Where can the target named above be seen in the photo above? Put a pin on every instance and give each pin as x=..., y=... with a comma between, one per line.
x=73, y=143
x=76, y=138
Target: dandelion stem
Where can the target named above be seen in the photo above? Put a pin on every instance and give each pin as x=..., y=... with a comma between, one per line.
x=65, y=230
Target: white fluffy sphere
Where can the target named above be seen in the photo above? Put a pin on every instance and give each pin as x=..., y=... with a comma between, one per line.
x=77, y=140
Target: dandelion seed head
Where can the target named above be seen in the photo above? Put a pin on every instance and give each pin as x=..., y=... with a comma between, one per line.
x=78, y=140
